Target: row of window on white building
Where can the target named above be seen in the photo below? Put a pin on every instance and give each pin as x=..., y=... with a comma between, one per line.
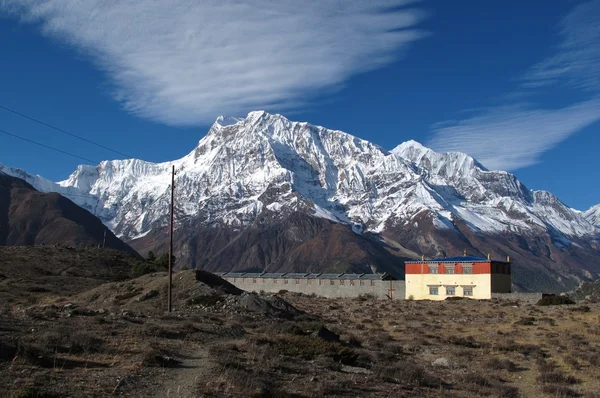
x=450, y=290
x=433, y=269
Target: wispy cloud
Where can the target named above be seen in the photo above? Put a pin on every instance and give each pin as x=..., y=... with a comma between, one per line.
x=182, y=62
x=509, y=137
x=512, y=137
x=577, y=61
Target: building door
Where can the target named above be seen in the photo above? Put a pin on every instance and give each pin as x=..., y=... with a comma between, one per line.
x=392, y=293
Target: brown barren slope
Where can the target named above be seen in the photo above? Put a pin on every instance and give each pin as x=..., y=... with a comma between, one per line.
x=29, y=217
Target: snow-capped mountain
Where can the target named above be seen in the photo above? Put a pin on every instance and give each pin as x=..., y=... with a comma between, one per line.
x=266, y=167
x=593, y=215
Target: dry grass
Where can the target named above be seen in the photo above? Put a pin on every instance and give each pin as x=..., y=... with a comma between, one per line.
x=345, y=347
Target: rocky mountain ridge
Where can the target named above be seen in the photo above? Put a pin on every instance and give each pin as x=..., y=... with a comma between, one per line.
x=253, y=173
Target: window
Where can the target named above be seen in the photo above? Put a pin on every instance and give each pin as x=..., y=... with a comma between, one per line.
x=433, y=269
x=433, y=290
x=362, y=283
x=308, y=282
x=372, y=283
x=297, y=281
x=332, y=282
x=320, y=281
x=274, y=281
x=449, y=269
x=285, y=281
x=351, y=283
x=342, y=283
x=253, y=280
x=450, y=290
x=467, y=269
x=467, y=291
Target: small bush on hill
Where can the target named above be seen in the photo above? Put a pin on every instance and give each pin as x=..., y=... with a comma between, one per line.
x=526, y=321
x=585, y=308
x=501, y=363
x=555, y=300
x=141, y=269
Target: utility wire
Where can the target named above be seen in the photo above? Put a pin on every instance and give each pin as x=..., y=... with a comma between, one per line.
x=65, y=132
x=48, y=146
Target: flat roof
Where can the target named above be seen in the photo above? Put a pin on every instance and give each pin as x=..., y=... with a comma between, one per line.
x=303, y=275
x=459, y=259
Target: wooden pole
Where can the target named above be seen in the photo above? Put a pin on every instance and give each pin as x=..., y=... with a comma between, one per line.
x=169, y=304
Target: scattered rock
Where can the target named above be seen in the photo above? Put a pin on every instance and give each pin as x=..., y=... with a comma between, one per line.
x=355, y=370
x=83, y=312
x=216, y=282
x=327, y=335
x=269, y=306
x=148, y=295
x=442, y=363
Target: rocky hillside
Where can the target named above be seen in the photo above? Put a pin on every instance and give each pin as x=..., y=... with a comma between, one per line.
x=351, y=203
x=29, y=217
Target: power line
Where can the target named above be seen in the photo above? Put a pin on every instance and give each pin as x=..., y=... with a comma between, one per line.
x=65, y=132
x=48, y=146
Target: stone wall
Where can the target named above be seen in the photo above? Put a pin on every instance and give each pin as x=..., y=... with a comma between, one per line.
x=331, y=288
x=525, y=297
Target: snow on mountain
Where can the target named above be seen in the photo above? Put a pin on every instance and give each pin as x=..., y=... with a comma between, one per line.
x=593, y=215
x=491, y=201
x=266, y=163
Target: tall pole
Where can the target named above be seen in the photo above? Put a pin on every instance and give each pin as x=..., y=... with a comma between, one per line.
x=171, y=238
x=104, y=239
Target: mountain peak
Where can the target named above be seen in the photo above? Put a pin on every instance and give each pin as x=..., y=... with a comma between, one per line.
x=412, y=144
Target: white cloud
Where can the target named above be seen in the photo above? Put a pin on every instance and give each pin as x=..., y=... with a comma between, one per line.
x=509, y=137
x=512, y=137
x=577, y=61
x=183, y=62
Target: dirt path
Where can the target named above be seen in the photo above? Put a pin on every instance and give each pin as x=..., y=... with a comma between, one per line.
x=182, y=381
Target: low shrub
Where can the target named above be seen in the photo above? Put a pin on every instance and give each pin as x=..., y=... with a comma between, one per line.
x=526, y=321
x=504, y=363
x=559, y=391
x=477, y=379
x=556, y=377
x=142, y=268
x=403, y=372
x=205, y=299
x=157, y=358
x=31, y=392
x=365, y=297
x=584, y=308
x=84, y=342
x=555, y=300
x=309, y=348
x=468, y=342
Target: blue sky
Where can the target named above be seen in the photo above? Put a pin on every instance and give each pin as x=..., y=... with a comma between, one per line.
x=515, y=84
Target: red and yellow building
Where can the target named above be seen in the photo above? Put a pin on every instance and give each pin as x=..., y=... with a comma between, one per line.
x=466, y=276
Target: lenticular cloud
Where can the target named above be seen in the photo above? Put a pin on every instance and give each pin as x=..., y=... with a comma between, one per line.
x=182, y=62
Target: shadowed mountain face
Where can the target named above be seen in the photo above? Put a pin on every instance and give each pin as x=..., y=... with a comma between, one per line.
x=29, y=217
x=297, y=243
